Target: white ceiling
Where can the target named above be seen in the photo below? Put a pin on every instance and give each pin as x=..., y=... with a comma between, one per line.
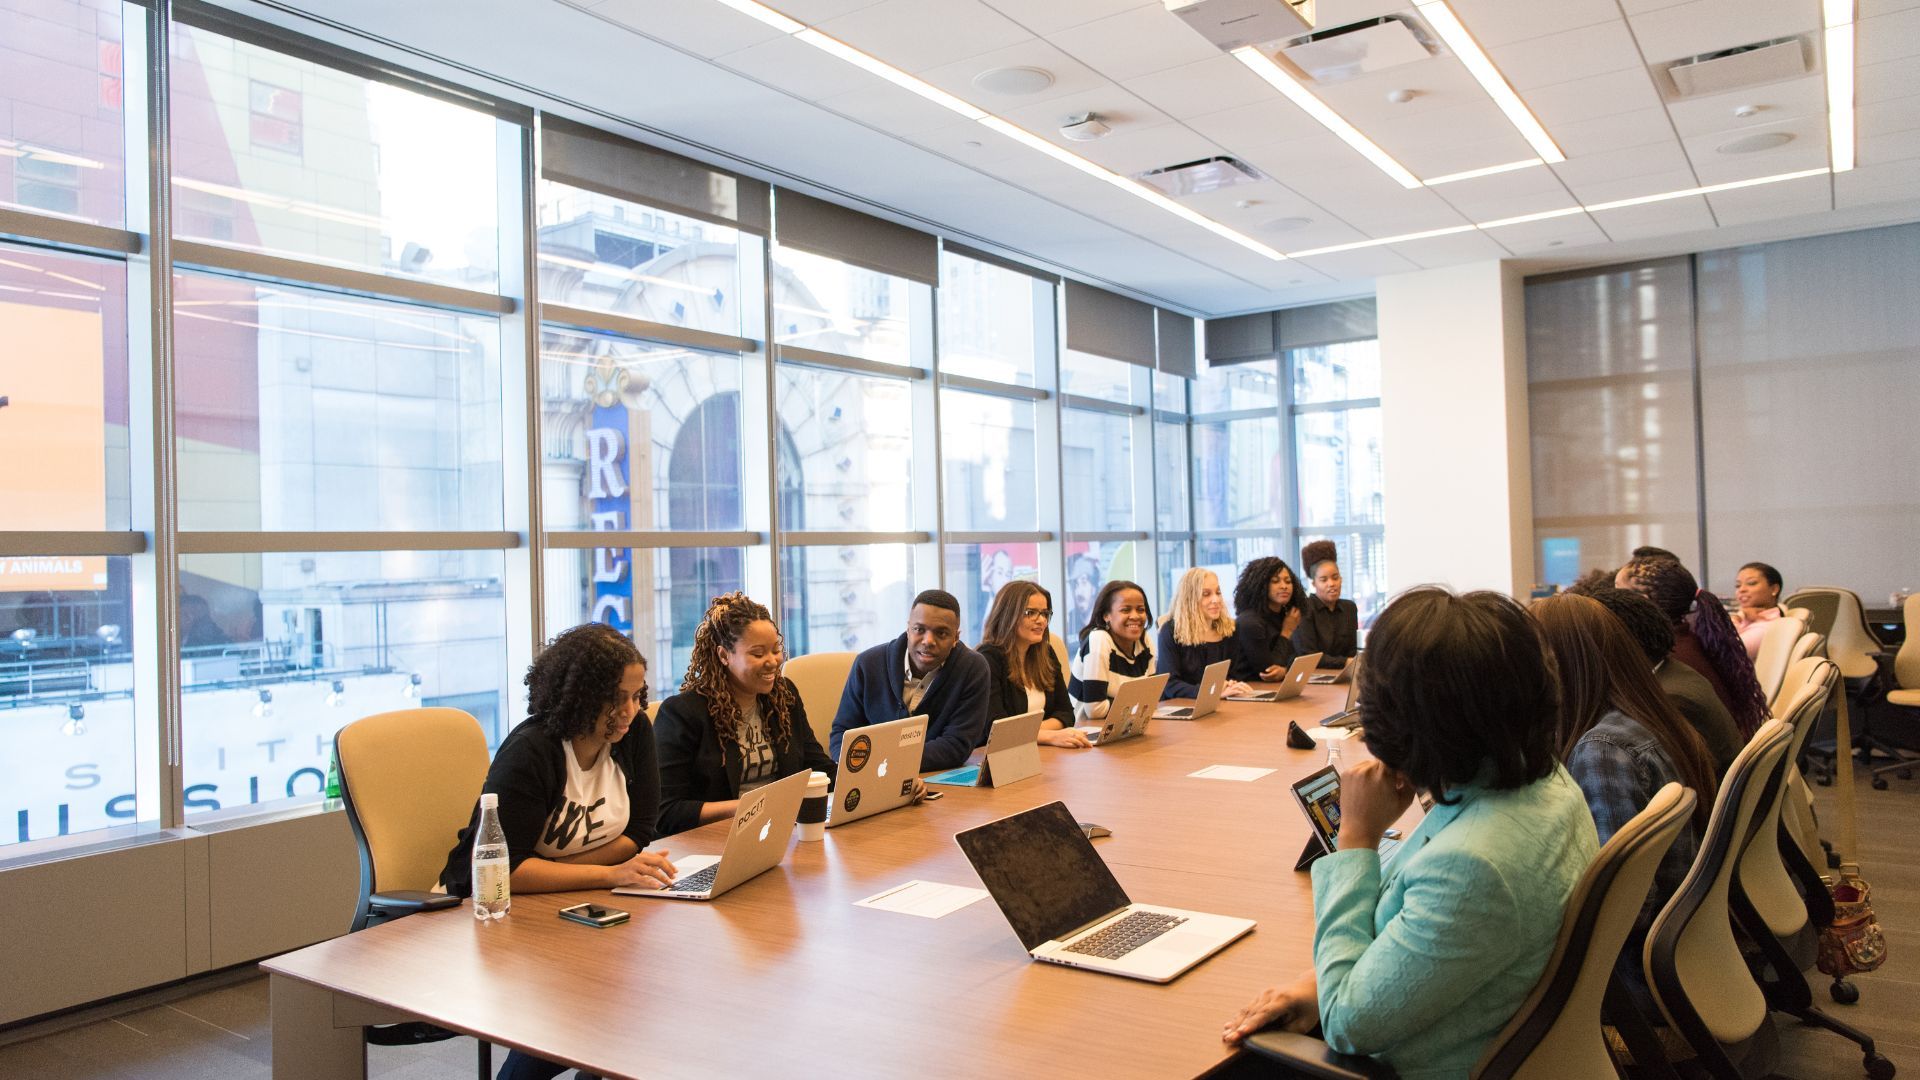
x=727, y=88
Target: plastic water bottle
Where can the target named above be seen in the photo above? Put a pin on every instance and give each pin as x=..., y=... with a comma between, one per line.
x=492, y=895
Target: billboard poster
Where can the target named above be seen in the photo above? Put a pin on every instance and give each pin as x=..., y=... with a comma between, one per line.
x=53, y=438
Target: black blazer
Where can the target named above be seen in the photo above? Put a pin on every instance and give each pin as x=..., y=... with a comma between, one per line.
x=694, y=769
x=1005, y=699
x=1259, y=643
x=1335, y=632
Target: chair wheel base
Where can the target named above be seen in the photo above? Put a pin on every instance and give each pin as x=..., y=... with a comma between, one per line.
x=1844, y=992
x=1878, y=1067
x=1879, y=783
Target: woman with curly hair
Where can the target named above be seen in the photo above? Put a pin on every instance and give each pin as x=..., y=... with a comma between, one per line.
x=1266, y=611
x=1703, y=637
x=578, y=788
x=1330, y=625
x=1198, y=632
x=737, y=724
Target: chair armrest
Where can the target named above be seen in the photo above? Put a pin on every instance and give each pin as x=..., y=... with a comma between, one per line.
x=392, y=905
x=1309, y=1056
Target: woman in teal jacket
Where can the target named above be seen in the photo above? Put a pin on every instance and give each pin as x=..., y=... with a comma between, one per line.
x=1419, y=960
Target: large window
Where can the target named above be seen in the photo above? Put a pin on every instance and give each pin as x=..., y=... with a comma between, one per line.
x=1337, y=461
x=62, y=126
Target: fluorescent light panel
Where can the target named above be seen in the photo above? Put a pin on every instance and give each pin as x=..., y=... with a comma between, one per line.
x=1454, y=33
x=838, y=49
x=1280, y=79
x=1491, y=170
x=1840, y=120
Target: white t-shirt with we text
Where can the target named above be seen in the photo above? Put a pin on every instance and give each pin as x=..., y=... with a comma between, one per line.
x=593, y=810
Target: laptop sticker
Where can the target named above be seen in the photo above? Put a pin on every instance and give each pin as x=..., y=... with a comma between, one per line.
x=858, y=753
x=853, y=799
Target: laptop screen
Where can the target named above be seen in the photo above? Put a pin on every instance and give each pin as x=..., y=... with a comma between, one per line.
x=1319, y=796
x=1043, y=872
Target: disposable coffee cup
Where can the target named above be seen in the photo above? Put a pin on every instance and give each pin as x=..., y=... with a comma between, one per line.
x=813, y=809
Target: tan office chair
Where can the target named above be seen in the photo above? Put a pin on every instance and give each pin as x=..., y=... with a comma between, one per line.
x=1850, y=643
x=1776, y=647
x=1810, y=644
x=1773, y=876
x=1556, y=1034
x=1060, y=653
x=1905, y=693
x=821, y=678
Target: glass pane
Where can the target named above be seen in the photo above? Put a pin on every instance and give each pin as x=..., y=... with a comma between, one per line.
x=1170, y=463
x=1237, y=478
x=276, y=154
x=1235, y=387
x=63, y=373
x=827, y=305
x=62, y=137
x=1339, y=460
x=67, y=748
x=994, y=322
x=1096, y=451
x=844, y=598
x=975, y=572
x=1091, y=564
x=639, y=436
x=1363, y=569
x=1169, y=392
x=279, y=650
x=657, y=596
x=1226, y=555
x=845, y=451
x=307, y=410
x=987, y=444
x=1335, y=372
x=1174, y=560
x=607, y=254
x=1097, y=377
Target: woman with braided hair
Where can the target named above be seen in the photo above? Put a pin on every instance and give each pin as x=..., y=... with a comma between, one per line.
x=1703, y=637
x=737, y=724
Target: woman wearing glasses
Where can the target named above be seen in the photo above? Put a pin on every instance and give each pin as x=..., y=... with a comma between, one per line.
x=1023, y=672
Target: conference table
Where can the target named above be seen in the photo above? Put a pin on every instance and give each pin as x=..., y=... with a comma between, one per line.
x=784, y=975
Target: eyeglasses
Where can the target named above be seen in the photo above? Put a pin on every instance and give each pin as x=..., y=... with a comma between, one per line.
x=1036, y=613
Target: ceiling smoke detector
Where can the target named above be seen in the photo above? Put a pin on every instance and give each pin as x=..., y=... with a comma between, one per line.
x=1085, y=127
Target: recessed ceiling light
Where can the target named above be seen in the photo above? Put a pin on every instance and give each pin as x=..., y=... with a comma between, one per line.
x=1454, y=33
x=1491, y=170
x=1707, y=190
x=1753, y=144
x=1287, y=224
x=1014, y=80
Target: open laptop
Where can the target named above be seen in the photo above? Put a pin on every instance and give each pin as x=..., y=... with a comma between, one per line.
x=1348, y=715
x=1345, y=674
x=1291, y=683
x=1013, y=755
x=1066, y=907
x=1212, y=681
x=1128, y=712
x=1318, y=795
x=878, y=765
x=756, y=842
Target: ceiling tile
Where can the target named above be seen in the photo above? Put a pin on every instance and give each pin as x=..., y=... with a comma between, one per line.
x=1889, y=131
x=1501, y=22
x=1868, y=9
x=799, y=69
x=892, y=109
x=1446, y=157
x=1571, y=54
x=1553, y=234
x=1892, y=146
x=1504, y=195
x=1315, y=153
x=1882, y=82
x=1592, y=193
x=1893, y=36
x=1259, y=124
x=815, y=12
x=706, y=29
x=1810, y=195
x=1706, y=25
x=1377, y=208
x=917, y=34
x=1617, y=165
x=1654, y=219
x=1777, y=102
x=1469, y=120
x=1596, y=95
x=1364, y=263
x=1197, y=89
x=971, y=145
x=1615, y=131
x=1641, y=7
x=1061, y=14
x=1808, y=150
x=1070, y=76
x=1893, y=181
x=1454, y=249
x=1121, y=110
x=1135, y=43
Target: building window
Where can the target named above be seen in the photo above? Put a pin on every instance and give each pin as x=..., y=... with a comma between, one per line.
x=273, y=117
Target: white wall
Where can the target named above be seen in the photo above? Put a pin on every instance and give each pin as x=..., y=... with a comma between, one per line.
x=1453, y=395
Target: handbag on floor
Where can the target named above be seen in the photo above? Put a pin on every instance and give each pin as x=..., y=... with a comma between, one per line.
x=1853, y=943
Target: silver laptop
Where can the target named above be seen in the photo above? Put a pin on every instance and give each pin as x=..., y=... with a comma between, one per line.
x=1345, y=674
x=1066, y=907
x=1294, y=681
x=1128, y=712
x=1013, y=755
x=1349, y=714
x=878, y=765
x=1212, y=681
x=756, y=843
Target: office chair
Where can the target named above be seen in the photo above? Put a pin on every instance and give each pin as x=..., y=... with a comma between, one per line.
x=1556, y=1034
x=1776, y=647
x=820, y=678
x=1852, y=646
x=1775, y=878
x=409, y=781
x=1060, y=652
x=1905, y=694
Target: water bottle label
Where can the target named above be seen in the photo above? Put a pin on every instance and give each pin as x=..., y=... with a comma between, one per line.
x=490, y=883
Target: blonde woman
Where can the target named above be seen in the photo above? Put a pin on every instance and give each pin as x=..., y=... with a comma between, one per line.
x=1197, y=632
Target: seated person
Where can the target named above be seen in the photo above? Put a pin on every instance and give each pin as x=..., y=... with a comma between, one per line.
x=1023, y=673
x=1329, y=625
x=737, y=724
x=1690, y=694
x=577, y=784
x=1622, y=742
x=1267, y=609
x=925, y=670
x=1756, y=588
x=1198, y=632
x=1703, y=637
x=1113, y=649
x=1423, y=966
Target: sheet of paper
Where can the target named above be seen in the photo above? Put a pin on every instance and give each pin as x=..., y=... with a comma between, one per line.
x=1245, y=773
x=1336, y=734
x=927, y=899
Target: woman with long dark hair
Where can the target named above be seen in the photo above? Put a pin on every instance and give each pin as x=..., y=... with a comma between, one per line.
x=1703, y=637
x=1267, y=609
x=1023, y=674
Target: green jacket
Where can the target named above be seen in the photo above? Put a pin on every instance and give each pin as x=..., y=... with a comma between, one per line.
x=1422, y=960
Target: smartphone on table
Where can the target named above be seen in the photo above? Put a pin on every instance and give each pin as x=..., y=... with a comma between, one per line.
x=594, y=915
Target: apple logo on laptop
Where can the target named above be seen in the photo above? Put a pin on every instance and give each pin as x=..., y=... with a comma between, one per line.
x=764, y=830
x=883, y=767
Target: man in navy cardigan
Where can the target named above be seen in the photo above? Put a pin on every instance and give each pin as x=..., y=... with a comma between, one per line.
x=925, y=670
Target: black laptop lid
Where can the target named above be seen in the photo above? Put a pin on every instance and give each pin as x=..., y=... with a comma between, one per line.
x=1043, y=872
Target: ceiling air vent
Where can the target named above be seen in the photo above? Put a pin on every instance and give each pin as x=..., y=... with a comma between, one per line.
x=1362, y=48
x=1738, y=68
x=1193, y=177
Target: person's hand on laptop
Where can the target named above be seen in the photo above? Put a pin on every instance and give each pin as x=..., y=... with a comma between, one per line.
x=648, y=867
x=1235, y=688
x=919, y=792
x=1071, y=737
x=1294, y=1007
x=1372, y=798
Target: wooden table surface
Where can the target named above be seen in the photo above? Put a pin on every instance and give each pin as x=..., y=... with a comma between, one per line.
x=785, y=974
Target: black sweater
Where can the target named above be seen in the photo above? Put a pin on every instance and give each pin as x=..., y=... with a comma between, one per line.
x=529, y=773
x=1184, y=664
x=695, y=769
x=1260, y=642
x=1333, y=632
x=1010, y=700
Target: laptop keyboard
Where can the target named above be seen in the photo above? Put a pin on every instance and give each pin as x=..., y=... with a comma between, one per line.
x=1128, y=934
x=696, y=882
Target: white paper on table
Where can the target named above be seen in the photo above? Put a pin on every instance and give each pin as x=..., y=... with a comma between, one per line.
x=1230, y=772
x=1334, y=733
x=927, y=899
